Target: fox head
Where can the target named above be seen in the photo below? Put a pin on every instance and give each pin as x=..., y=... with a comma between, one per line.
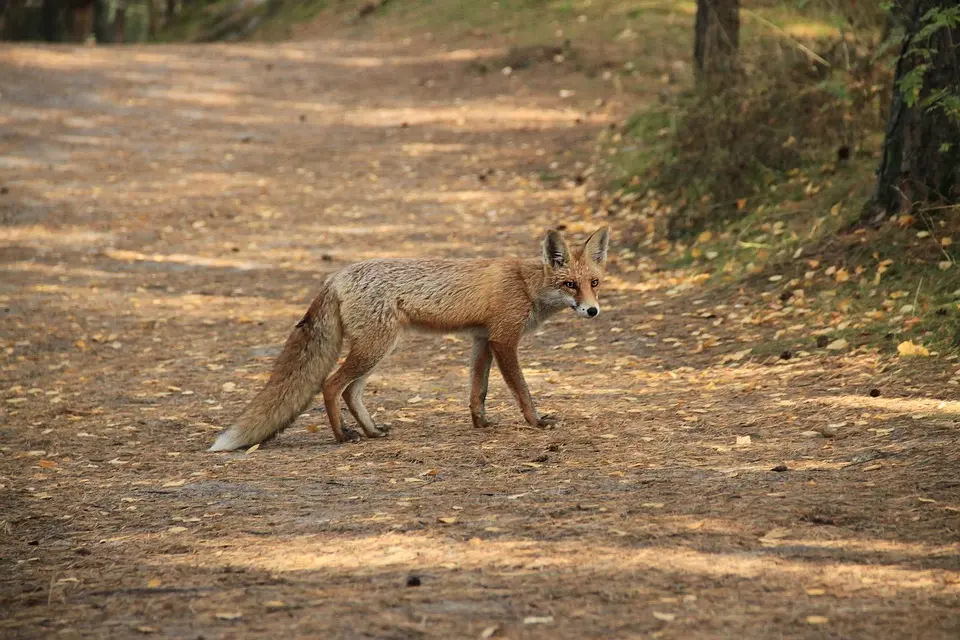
x=574, y=275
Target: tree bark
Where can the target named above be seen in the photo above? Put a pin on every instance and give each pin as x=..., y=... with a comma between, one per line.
x=120, y=23
x=51, y=20
x=921, y=151
x=717, y=39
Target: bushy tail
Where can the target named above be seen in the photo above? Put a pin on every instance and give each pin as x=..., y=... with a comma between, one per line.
x=307, y=358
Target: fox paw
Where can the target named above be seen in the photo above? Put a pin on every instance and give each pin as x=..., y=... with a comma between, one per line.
x=350, y=435
x=379, y=431
x=547, y=420
x=481, y=422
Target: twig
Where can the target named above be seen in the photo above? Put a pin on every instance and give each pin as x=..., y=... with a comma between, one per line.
x=933, y=235
x=810, y=53
x=917, y=295
x=147, y=591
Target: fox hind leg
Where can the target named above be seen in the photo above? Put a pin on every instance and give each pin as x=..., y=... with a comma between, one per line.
x=365, y=353
x=480, y=360
x=353, y=396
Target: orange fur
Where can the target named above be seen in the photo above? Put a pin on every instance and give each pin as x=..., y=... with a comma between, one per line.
x=370, y=303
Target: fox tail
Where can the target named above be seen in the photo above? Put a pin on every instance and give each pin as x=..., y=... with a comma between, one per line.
x=308, y=357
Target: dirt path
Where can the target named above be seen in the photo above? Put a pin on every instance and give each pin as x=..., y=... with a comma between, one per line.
x=167, y=214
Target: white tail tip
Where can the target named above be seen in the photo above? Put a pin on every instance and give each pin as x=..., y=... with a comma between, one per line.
x=227, y=441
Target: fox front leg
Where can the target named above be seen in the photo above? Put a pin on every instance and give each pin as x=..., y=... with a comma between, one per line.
x=509, y=363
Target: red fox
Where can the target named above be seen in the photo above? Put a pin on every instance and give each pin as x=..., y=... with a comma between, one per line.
x=369, y=303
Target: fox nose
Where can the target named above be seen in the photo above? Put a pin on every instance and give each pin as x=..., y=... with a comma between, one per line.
x=592, y=311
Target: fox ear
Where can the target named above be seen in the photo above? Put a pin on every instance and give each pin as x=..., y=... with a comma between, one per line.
x=556, y=253
x=596, y=245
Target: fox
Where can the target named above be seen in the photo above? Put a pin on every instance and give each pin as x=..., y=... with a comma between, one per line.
x=369, y=304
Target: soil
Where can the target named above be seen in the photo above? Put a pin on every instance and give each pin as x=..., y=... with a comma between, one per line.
x=169, y=211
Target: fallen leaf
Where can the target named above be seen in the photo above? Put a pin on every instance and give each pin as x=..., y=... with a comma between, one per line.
x=145, y=629
x=907, y=349
x=253, y=448
x=817, y=620
x=538, y=620
x=447, y=520
x=815, y=591
x=837, y=345
x=666, y=617
x=735, y=357
x=228, y=615
x=415, y=399
x=489, y=632
x=777, y=533
x=743, y=440
x=176, y=529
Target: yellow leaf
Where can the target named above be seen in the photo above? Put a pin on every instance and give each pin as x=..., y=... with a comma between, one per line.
x=706, y=236
x=47, y=464
x=907, y=349
x=741, y=203
x=817, y=620
x=447, y=520
x=837, y=345
x=905, y=220
x=253, y=448
x=842, y=275
x=153, y=583
x=815, y=591
x=665, y=617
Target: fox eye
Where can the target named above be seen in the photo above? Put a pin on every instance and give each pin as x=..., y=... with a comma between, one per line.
x=595, y=284
x=570, y=285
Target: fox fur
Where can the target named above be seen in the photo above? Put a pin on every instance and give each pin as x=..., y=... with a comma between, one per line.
x=368, y=305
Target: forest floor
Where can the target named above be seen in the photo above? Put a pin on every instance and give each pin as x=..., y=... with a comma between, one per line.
x=168, y=213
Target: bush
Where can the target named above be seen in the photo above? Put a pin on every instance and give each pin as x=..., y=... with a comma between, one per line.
x=783, y=112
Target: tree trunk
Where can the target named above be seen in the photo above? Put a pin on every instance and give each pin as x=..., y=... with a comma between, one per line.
x=51, y=20
x=101, y=21
x=717, y=38
x=120, y=23
x=921, y=152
